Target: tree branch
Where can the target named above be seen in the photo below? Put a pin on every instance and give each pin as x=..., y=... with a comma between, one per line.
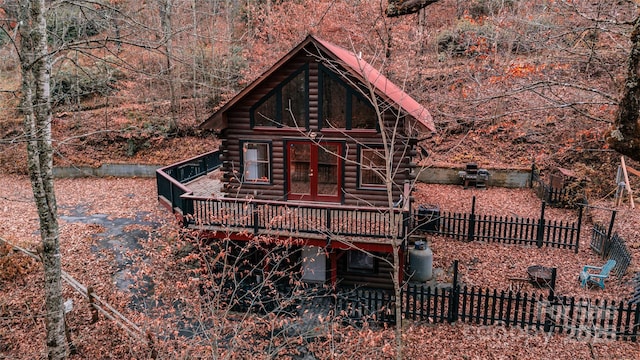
x=405, y=7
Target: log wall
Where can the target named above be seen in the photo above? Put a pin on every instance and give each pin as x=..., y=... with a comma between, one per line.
x=239, y=130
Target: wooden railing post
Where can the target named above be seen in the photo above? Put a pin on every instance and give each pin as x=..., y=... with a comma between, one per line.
x=472, y=220
x=171, y=200
x=256, y=218
x=328, y=223
x=540, y=234
x=188, y=214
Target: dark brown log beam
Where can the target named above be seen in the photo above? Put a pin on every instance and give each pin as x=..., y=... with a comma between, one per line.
x=406, y=7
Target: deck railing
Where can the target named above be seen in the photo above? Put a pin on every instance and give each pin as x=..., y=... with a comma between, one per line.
x=171, y=179
x=293, y=218
x=275, y=216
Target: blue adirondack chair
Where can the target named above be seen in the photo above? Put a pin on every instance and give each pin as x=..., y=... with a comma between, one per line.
x=586, y=277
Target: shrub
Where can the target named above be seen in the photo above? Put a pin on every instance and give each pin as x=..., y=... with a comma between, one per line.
x=68, y=22
x=482, y=8
x=467, y=39
x=70, y=84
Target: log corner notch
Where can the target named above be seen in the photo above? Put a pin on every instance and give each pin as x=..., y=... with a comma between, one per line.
x=406, y=7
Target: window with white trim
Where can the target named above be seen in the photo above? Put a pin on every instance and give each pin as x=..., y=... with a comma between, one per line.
x=256, y=162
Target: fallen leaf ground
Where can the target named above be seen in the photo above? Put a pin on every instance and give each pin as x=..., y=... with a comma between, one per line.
x=482, y=264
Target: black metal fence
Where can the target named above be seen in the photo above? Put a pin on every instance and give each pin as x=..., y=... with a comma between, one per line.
x=635, y=298
x=509, y=230
x=579, y=318
x=599, y=237
x=617, y=250
x=556, y=196
x=611, y=246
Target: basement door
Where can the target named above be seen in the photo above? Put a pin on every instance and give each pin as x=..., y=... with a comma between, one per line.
x=314, y=171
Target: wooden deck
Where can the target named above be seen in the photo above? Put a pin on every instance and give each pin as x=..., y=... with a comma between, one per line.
x=208, y=185
x=192, y=190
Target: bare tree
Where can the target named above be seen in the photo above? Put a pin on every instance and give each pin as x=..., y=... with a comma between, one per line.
x=397, y=131
x=36, y=68
x=625, y=138
x=166, y=12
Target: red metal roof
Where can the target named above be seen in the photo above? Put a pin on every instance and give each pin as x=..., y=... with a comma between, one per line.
x=358, y=67
x=384, y=85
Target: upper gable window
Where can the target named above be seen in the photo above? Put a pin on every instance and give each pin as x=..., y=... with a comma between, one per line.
x=342, y=106
x=286, y=105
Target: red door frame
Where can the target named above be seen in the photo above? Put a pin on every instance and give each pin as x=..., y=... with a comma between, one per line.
x=313, y=171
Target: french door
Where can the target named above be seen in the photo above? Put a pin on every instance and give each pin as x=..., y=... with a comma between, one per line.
x=314, y=171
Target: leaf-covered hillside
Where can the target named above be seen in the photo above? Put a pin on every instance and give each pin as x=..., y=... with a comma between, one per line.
x=508, y=82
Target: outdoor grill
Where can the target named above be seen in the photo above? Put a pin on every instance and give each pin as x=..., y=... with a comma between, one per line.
x=540, y=275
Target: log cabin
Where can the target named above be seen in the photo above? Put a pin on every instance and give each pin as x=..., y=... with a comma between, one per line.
x=319, y=152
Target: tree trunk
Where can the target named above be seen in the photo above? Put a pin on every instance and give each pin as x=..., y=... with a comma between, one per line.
x=36, y=69
x=166, y=11
x=625, y=138
x=389, y=138
x=406, y=7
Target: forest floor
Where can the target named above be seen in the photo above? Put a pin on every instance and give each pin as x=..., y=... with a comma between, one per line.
x=94, y=212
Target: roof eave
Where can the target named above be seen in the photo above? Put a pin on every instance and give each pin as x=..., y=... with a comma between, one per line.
x=218, y=113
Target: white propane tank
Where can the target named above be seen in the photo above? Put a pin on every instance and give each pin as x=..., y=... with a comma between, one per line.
x=421, y=262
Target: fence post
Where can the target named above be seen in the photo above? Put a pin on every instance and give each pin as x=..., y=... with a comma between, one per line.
x=533, y=171
x=472, y=220
x=548, y=319
x=606, y=244
x=540, y=234
x=613, y=219
x=636, y=323
x=454, y=299
x=577, y=245
x=94, y=310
